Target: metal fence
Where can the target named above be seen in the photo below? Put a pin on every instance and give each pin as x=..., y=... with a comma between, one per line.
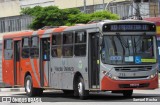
x=15, y=23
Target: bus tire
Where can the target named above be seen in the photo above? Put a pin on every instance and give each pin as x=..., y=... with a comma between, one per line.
x=39, y=91
x=80, y=89
x=127, y=93
x=30, y=91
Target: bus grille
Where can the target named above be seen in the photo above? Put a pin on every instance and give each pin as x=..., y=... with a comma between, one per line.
x=139, y=77
x=133, y=69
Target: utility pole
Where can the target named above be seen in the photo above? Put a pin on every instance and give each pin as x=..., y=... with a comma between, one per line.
x=85, y=6
x=137, y=12
x=103, y=5
x=108, y=4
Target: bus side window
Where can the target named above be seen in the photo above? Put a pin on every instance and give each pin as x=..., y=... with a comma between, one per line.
x=34, y=52
x=80, y=44
x=68, y=44
x=56, y=45
x=26, y=47
x=46, y=49
x=8, y=49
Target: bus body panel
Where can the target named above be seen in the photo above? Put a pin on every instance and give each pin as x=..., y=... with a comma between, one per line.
x=31, y=66
x=7, y=72
x=64, y=69
x=109, y=84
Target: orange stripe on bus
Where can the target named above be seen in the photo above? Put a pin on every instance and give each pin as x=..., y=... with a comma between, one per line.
x=45, y=78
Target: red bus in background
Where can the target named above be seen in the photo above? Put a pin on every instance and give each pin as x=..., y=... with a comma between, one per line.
x=156, y=20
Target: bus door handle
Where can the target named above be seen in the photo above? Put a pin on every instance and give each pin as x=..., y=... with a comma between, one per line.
x=51, y=69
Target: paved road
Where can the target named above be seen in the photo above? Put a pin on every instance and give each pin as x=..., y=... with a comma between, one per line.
x=58, y=96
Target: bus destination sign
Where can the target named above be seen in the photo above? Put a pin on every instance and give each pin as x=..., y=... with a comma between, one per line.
x=128, y=27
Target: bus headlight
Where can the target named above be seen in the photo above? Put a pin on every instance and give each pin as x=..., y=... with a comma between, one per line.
x=114, y=77
x=152, y=76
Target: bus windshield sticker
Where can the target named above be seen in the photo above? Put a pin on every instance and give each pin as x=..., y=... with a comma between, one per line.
x=137, y=59
x=98, y=62
x=129, y=59
x=148, y=60
x=114, y=58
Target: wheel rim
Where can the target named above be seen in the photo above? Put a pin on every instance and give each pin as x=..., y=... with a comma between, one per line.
x=28, y=86
x=80, y=88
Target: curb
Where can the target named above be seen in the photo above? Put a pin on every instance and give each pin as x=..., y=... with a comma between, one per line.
x=12, y=89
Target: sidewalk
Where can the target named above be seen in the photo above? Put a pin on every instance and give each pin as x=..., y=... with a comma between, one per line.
x=12, y=90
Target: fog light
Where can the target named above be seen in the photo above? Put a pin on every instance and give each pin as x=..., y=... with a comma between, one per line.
x=114, y=77
x=152, y=76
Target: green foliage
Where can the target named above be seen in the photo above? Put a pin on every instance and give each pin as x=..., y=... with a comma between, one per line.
x=53, y=16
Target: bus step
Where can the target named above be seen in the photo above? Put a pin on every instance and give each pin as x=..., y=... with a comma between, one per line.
x=94, y=89
x=16, y=86
x=46, y=87
x=95, y=86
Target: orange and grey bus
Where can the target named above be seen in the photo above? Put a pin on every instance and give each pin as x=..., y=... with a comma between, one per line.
x=117, y=56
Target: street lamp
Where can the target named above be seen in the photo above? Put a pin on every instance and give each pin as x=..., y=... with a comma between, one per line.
x=108, y=4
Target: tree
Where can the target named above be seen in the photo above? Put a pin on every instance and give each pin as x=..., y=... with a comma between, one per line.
x=85, y=18
x=53, y=16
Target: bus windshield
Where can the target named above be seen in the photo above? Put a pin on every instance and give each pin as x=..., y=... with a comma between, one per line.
x=118, y=49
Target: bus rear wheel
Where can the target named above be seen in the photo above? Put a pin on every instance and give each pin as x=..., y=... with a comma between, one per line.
x=127, y=93
x=30, y=91
x=80, y=89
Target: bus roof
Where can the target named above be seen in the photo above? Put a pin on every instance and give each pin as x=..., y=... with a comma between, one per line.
x=69, y=28
x=31, y=32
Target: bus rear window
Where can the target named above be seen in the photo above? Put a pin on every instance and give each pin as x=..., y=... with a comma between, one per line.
x=35, y=41
x=25, y=48
x=8, y=51
x=8, y=44
x=26, y=42
x=56, y=40
x=80, y=37
x=67, y=38
x=34, y=50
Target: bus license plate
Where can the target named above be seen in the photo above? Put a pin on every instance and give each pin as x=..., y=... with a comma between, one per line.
x=134, y=85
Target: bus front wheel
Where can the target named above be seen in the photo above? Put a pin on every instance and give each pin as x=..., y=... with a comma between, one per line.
x=30, y=91
x=39, y=91
x=127, y=93
x=80, y=89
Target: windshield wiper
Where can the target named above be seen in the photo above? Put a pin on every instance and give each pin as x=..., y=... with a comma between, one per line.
x=138, y=41
x=123, y=42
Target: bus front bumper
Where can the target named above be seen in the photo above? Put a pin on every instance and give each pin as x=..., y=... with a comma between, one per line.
x=109, y=84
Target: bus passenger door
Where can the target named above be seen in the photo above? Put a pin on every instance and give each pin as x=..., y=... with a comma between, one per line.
x=94, y=61
x=44, y=61
x=17, y=71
